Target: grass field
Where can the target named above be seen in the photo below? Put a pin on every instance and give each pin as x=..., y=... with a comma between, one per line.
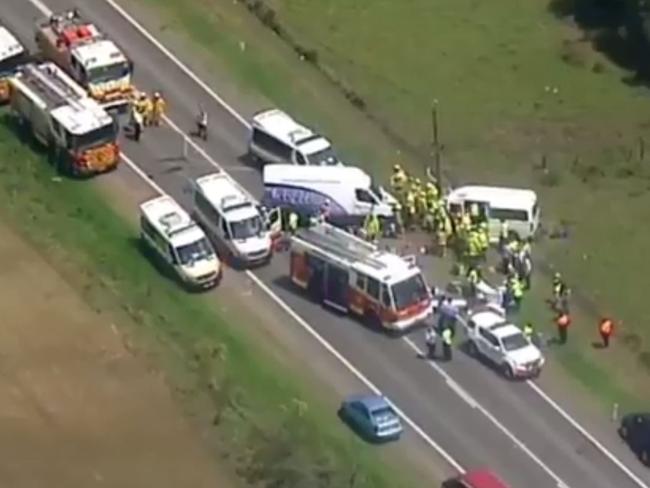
x=513, y=84
x=262, y=415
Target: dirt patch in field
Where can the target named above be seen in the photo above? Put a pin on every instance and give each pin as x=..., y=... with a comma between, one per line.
x=77, y=409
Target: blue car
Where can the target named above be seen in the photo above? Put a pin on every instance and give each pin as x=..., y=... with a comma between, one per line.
x=372, y=417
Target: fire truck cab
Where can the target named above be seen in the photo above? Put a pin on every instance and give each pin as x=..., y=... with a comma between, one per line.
x=351, y=275
x=88, y=56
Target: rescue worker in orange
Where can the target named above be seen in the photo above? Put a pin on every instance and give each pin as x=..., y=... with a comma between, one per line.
x=563, y=322
x=606, y=329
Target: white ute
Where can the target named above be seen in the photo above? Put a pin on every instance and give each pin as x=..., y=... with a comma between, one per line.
x=232, y=220
x=179, y=243
x=277, y=138
x=492, y=337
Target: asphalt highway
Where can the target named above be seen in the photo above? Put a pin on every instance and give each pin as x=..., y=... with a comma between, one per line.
x=476, y=416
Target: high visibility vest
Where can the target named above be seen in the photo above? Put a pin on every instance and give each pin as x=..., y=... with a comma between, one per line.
x=517, y=289
x=447, y=336
x=528, y=331
x=503, y=231
x=606, y=327
x=472, y=277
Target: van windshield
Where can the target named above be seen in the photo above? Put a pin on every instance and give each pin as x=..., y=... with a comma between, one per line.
x=326, y=157
x=94, y=138
x=409, y=292
x=196, y=251
x=247, y=228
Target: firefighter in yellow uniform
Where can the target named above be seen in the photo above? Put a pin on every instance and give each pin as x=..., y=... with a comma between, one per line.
x=483, y=239
x=398, y=182
x=158, y=108
x=372, y=226
x=409, y=210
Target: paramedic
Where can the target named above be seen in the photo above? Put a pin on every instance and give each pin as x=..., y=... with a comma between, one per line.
x=447, y=339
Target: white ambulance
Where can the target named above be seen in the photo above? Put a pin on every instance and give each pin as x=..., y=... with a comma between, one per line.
x=179, y=243
x=232, y=219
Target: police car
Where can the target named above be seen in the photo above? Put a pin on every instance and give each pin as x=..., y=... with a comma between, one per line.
x=178, y=243
x=492, y=337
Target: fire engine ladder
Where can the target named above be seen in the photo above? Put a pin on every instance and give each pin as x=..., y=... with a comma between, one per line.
x=49, y=86
x=341, y=244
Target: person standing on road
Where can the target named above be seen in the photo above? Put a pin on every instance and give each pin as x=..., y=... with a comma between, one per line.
x=606, y=329
x=447, y=339
x=202, y=124
x=430, y=337
x=529, y=331
x=563, y=322
x=136, y=121
x=159, y=106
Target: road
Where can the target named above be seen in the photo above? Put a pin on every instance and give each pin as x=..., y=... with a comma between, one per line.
x=478, y=418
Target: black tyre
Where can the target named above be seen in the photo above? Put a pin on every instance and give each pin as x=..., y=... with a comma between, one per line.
x=507, y=372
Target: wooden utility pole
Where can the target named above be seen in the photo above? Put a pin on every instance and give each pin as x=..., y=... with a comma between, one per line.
x=436, y=144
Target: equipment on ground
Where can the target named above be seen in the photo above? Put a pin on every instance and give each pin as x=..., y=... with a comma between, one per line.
x=80, y=136
x=88, y=56
x=12, y=55
x=346, y=273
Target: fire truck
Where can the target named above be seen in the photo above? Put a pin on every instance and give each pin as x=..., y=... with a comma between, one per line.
x=88, y=56
x=12, y=55
x=350, y=275
x=79, y=134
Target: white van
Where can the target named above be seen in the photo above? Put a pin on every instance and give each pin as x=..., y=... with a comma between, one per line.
x=348, y=191
x=519, y=208
x=232, y=220
x=277, y=138
x=179, y=243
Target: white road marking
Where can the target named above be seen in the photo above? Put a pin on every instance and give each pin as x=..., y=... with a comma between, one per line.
x=474, y=404
x=371, y=386
x=144, y=32
x=576, y=425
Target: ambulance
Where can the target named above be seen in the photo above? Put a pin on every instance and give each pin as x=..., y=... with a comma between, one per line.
x=385, y=290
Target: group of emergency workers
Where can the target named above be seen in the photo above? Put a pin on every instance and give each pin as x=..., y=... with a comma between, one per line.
x=145, y=112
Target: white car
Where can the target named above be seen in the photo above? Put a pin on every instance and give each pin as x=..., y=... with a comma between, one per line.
x=492, y=337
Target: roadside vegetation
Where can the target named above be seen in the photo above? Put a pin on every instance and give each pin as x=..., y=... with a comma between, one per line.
x=259, y=413
x=527, y=95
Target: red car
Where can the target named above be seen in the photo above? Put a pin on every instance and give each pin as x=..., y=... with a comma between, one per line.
x=479, y=478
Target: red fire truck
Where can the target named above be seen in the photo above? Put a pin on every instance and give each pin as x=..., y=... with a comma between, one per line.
x=353, y=276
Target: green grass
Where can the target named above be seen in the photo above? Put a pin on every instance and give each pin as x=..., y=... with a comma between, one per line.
x=263, y=429
x=488, y=65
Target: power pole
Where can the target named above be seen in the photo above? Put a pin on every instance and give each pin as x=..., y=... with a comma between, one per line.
x=436, y=144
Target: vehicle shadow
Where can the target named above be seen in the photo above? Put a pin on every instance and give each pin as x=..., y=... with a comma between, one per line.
x=466, y=349
x=163, y=270
x=250, y=161
x=285, y=283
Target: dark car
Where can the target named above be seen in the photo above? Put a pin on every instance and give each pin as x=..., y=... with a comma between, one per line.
x=478, y=478
x=372, y=417
x=635, y=430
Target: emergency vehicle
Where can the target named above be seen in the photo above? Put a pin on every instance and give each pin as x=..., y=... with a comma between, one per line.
x=179, y=243
x=277, y=138
x=354, y=276
x=12, y=55
x=80, y=135
x=88, y=56
x=233, y=220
